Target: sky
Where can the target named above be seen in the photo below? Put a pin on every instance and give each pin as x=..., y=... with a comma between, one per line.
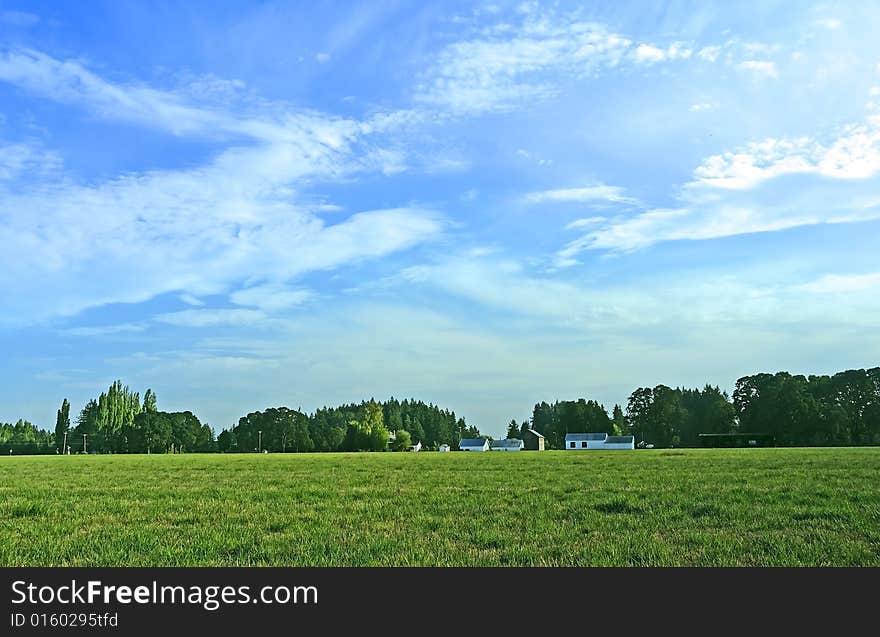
x=245, y=205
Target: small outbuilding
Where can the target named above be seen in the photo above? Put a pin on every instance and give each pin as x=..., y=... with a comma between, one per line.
x=533, y=441
x=509, y=444
x=415, y=447
x=620, y=442
x=444, y=448
x=473, y=444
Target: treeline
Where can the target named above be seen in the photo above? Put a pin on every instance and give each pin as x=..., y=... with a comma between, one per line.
x=796, y=410
x=368, y=426
x=118, y=421
x=24, y=438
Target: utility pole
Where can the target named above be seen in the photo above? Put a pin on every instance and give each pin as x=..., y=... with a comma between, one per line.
x=260, y=443
x=64, y=448
x=85, y=449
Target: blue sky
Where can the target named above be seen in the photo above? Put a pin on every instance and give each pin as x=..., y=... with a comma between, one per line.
x=480, y=205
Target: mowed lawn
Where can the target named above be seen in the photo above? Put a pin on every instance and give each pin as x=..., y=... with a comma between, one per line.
x=660, y=507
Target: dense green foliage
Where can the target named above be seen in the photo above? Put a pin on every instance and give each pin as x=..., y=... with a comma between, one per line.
x=843, y=409
x=712, y=507
x=24, y=438
x=352, y=427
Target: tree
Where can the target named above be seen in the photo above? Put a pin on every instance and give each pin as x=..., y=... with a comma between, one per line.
x=618, y=421
x=368, y=432
x=150, y=402
x=402, y=440
x=513, y=430
x=62, y=424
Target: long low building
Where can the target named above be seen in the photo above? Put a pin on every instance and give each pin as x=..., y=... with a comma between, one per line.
x=508, y=444
x=584, y=441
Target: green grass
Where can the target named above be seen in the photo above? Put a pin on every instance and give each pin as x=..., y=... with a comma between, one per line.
x=779, y=507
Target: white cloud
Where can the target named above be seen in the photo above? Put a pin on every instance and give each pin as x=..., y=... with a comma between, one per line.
x=189, y=299
x=587, y=222
x=843, y=283
x=27, y=160
x=270, y=297
x=598, y=192
x=212, y=318
x=503, y=67
x=322, y=58
x=106, y=330
x=828, y=23
x=854, y=154
x=744, y=191
x=647, y=54
x=759, y=68
x=709, y=53
x=700, y=107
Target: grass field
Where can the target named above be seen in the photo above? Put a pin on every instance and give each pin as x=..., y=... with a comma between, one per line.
x=660, y=507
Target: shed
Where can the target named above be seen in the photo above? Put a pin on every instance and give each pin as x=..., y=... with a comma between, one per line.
x=509, y=444
x=415, y=447
x=444, y=447
x=474, y=444
x=533, y=440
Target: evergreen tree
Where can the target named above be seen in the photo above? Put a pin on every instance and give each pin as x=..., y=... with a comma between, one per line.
x=62, y=424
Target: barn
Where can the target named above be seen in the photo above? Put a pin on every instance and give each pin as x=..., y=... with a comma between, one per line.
x=474, y=444
x=533, y=440
x=510, y=444
x=598, y=441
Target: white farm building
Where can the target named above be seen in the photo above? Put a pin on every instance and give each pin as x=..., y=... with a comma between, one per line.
x=444, y=447
x=510, y=444
x=474, y=444
x=577, y=442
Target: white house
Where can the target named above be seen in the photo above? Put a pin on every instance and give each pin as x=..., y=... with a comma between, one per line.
x=577, y=442
x=474, y=444
x=510, y=444
x=444, y=447
x=415, y=447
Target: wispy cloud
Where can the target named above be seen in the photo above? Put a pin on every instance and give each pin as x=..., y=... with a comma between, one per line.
x=745, y=191
x=759, y=68
x=597, y=192
x=270, y=297
x=18, y=18
x=502, y=66
x=843, y=283
x=212, y=318
x=649, y=54
x=193, y=231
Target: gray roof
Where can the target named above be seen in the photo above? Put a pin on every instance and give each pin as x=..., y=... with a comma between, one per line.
x=586, y=436
x=532, y=431
x=619, y=439
x=472, y=442
x=508, y=442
